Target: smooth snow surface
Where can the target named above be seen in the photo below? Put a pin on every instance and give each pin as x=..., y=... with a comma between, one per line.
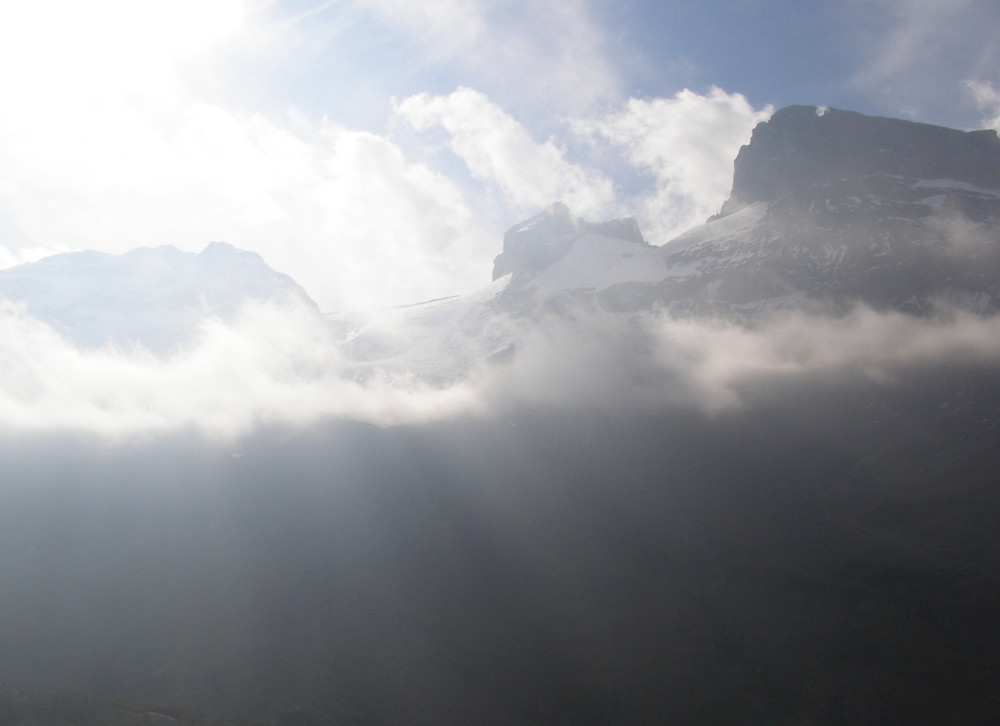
x=596, y=262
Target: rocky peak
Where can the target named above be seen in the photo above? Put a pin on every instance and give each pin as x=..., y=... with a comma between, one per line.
x=535, y=244
x=803, y=146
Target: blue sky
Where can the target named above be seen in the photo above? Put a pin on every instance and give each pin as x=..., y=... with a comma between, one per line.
x=376, y=149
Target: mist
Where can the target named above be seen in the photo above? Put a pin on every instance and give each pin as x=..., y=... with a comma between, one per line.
x=283, y=364
x=623, y=519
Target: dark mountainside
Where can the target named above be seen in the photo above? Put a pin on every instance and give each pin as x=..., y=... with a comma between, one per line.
x=825, y=553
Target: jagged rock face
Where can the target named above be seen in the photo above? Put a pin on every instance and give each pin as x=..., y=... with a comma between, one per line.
x=534, y=245
x=802, y=146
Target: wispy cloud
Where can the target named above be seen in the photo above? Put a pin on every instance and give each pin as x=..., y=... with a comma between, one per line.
x=499, y=150
x=553, y=53
x=912, y=50
x=688, y=143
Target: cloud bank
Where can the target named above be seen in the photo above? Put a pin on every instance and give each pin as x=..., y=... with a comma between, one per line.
x=286, y=366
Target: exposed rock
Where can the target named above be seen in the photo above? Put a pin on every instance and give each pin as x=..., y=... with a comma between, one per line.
x=801, y=146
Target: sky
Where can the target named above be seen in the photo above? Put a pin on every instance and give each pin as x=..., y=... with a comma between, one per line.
x=376, y=150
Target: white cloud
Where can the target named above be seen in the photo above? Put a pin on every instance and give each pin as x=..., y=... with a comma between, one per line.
x=59, y=53
x=987, y=98
x=396, y=231
x=498, y=150
x=288, y=371
x=291, y=371
x=688, y=143
x=603, y=363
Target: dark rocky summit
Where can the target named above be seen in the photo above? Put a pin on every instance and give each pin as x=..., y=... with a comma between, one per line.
x=835, y=208
x=828, y=209
x=802, y=146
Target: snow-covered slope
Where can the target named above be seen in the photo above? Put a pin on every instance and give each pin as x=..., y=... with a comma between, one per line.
x=154, y=297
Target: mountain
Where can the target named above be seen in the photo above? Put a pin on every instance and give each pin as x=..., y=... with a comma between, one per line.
x=588, y=538
x=840, y=208
x=828, y=208
x=154, y=297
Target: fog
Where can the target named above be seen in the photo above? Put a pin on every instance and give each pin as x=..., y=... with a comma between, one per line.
x=286, y=365
x=622, y=520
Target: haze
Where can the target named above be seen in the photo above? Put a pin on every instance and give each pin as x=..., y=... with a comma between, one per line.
x=752, y=481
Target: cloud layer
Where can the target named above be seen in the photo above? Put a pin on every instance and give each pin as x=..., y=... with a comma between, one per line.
x=285, y=365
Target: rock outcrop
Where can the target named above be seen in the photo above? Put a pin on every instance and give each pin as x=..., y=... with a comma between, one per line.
x=802, y=146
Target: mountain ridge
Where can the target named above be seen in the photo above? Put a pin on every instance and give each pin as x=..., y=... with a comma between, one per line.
x=153, y=296
x=828, y=210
